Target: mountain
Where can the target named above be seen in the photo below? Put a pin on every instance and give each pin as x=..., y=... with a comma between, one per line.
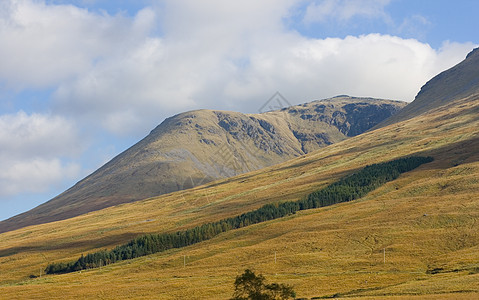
x=413, y=238
x=196, y=147
x=458, y=82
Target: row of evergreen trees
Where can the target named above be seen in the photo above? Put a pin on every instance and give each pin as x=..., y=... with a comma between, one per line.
x=349, y=188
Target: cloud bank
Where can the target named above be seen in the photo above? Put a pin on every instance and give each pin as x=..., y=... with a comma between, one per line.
x=31, y=148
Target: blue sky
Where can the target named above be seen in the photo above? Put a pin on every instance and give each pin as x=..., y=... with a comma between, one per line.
x=82, y=80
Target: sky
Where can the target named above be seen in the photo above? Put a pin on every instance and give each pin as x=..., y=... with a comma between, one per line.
x=83, y=80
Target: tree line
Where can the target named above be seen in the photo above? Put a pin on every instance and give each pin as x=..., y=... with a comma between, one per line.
x=346, y=189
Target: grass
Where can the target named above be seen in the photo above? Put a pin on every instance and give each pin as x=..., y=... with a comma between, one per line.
x=424, y=220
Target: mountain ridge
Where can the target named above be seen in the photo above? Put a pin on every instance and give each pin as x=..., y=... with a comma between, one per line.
x=199, y=146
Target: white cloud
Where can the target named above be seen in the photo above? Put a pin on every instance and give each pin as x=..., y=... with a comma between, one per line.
x=37, y=135
x=30, y=147
x=415, y=25
x=344, y=10
x=34, y=175
x=43, y=45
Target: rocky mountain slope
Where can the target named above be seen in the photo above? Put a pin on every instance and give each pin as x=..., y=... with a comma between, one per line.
x=196, y=147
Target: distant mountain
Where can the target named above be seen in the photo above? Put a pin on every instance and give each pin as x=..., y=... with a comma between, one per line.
x=196, y=147
x=458, y=82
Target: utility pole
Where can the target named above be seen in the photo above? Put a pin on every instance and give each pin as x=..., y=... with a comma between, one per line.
x=275, y=268
x=184, y=261
x=384, y=255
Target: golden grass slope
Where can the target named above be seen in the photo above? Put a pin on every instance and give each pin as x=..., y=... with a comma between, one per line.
x=415, y=237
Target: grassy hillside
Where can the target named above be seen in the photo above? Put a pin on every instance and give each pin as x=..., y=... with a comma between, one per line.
x=415, y=236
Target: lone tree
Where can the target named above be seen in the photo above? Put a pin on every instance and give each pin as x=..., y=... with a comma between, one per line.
x=249, y=286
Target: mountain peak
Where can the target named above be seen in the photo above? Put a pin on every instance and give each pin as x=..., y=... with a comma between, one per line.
x=473, y=53
x=195, y=147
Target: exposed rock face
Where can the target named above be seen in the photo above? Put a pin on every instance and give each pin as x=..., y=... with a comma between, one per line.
x=195, y=147
x=458, y=82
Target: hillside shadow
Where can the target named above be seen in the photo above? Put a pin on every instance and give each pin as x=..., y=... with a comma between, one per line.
x=453, y=154
x=88, y=245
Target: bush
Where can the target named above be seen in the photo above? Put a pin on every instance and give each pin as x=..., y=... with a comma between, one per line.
x=249, y=286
